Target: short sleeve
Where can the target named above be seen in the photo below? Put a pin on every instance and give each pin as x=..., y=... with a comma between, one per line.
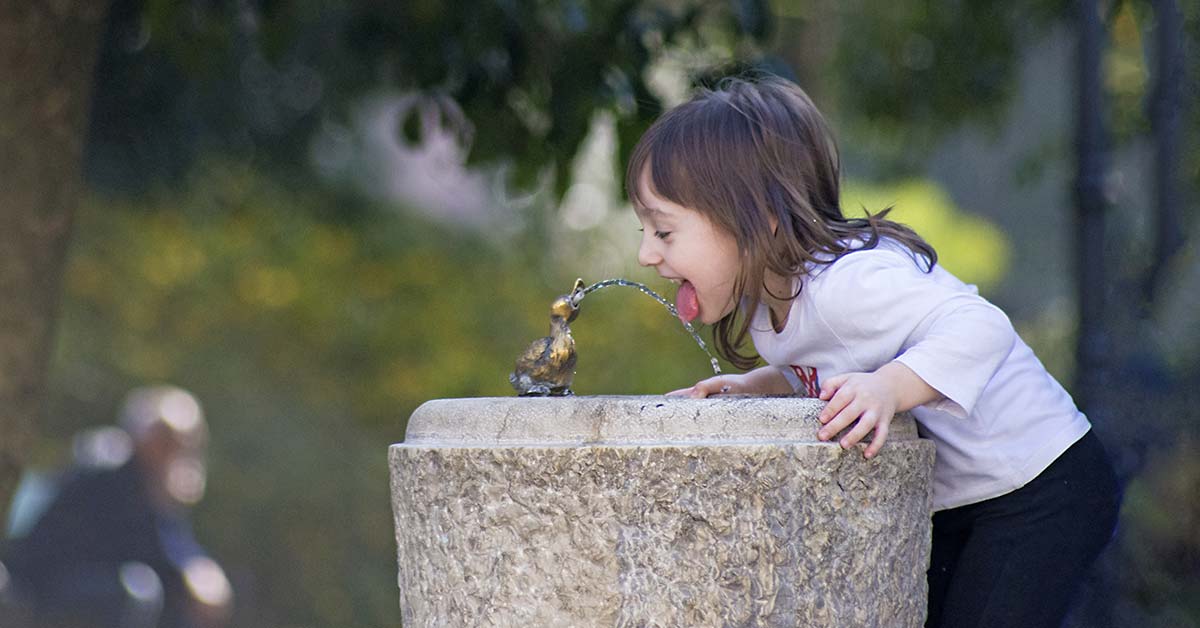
x=881, y=307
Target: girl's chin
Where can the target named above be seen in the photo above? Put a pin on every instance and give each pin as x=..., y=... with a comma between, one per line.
x=704, y=318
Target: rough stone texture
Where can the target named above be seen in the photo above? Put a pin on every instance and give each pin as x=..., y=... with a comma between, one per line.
x=644, y=511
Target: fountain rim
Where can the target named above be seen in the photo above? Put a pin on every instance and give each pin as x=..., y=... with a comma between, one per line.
x=582, y=420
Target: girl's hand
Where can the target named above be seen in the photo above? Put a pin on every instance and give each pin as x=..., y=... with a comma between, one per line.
x=869, y=401
x=865, y=399
x=719, y=385
x=765, y=380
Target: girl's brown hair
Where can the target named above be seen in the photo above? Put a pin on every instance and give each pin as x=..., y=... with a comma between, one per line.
x=749, y=153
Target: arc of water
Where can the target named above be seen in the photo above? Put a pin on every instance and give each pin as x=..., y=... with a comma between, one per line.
x=716, y=367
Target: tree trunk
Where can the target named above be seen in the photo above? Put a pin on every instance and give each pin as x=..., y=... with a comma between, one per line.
x=47, y=52
x=1092, y=343
x=1166, y=118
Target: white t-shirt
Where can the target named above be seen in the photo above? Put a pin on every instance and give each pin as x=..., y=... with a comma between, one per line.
x=1004, y=418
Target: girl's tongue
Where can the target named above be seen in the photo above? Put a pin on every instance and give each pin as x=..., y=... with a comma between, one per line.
x=686, y=302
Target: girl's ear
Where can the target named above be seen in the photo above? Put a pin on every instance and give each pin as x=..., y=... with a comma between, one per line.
x=774, y=222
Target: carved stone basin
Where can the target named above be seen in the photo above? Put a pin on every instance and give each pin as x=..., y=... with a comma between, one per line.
x=648, y=511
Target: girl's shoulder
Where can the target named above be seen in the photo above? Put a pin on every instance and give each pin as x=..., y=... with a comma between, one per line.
x=887, y=255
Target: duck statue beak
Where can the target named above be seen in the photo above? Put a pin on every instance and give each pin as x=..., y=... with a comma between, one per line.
x=577, y=294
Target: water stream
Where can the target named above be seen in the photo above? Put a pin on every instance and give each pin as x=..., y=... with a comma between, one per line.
x=667, y=304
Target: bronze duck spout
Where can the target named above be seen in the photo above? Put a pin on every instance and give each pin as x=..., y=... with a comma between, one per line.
x=547, y=367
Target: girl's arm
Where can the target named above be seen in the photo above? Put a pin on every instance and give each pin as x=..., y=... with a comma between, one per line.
x=765, y=380
x=871, y=399
x=938, y=342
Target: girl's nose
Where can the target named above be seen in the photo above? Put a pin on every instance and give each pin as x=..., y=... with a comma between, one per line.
x=648, y=254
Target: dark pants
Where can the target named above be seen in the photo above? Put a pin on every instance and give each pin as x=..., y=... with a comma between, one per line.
x=1018, y=559
x=91, y=596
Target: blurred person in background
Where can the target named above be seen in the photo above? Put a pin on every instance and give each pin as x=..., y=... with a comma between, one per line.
x=112, y=546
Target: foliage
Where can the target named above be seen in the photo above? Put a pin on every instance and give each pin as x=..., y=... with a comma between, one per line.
x=1162, y=515
x=309, y=341
x=906, y=73
x=968, y=246
x=523, y=79
x=913, y=63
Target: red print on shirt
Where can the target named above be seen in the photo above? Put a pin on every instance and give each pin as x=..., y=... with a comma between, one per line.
x=808, y=377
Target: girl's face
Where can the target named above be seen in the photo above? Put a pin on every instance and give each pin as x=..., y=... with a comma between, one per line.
x=683, y=245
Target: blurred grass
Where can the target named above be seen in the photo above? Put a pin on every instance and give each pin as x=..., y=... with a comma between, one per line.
x=309, y=341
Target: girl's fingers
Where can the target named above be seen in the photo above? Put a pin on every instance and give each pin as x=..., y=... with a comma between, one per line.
x=711, y=386
x=881, y=433
x=865, y=424
x=703, y=388
x=835, y=405
x=839, y=422
x=831, y=386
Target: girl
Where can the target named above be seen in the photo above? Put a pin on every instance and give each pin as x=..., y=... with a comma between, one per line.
x=737, y=193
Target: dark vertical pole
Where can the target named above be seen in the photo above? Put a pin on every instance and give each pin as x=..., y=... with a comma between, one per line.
x=1090, y=147
x=1093, y=343
x=1166, y=105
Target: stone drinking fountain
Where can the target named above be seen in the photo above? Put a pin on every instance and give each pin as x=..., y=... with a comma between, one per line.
x=648, y=511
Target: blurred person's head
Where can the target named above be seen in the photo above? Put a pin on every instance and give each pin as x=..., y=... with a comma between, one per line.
x=169, y=437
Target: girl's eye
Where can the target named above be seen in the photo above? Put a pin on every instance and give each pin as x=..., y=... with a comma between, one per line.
x=661, y=235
